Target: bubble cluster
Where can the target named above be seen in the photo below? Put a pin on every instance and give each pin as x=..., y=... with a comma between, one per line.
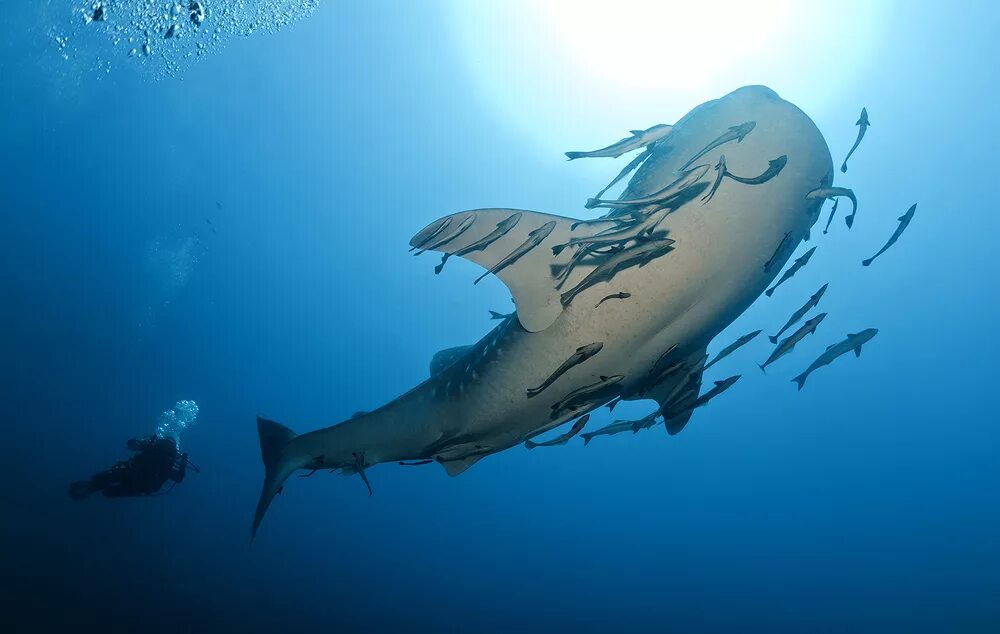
x=172, y=422
x=163, y=36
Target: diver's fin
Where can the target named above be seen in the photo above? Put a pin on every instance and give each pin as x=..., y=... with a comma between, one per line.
x=455, y=467
x=274, y=439
x=446, y=357
x=501, y=239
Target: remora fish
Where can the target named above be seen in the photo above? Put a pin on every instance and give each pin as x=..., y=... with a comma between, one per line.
x=774, y=168
x=628, y=169
x=475, y=406
x=677, y=189
x=833, y=212
x=735, y=133
x=638, y=139
x=792, y=270
x=600, y=392
x=639, y=255
x=534, y=239
x=833, y=192
x=462, y=228
x=774, y=256
x=582, y=354
x=613, y=296
x=733, y=347
x=904, y=221
x=701, y=401
x=788, y=344
x=503, y=227
x=616, y=427
x=853, y=342
x=800, y=313
x=495, y=315
x=561, y=440
x=862, y=124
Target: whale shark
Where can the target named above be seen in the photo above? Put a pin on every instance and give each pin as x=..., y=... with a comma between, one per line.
x=691, y=267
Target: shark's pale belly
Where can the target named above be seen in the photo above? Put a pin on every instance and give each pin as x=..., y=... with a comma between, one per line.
x=702, y=228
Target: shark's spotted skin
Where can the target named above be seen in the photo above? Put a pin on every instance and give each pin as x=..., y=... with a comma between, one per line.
x=682, y=294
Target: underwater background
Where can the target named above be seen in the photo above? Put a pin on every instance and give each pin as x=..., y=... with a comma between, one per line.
x=226, y=220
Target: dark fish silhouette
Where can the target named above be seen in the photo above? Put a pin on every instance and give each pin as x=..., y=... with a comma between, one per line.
x=863, y=125
x=561, y=440
x=628, y=169
x=833, y=192
x=582, y=354
x=613, y=296
x=853, y=342
x=638, y=139
x=788, y=344
x=495, y=315
x=462, y=228
x=735, y=133
x=833, y=212
x=800, y=313
x=904, y=222
x=534, y=239
x=733, y=347
x=606, y=387
x=777, y=250
x=501, y=230
x=792, y=270
x=636, y=256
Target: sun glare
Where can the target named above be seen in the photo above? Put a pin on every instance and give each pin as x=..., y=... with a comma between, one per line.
x=557, y=67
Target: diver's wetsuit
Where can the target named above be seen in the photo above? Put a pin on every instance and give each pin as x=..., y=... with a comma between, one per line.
x=155, y=461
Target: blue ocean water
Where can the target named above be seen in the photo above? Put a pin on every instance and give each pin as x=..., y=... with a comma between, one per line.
x=232, y=228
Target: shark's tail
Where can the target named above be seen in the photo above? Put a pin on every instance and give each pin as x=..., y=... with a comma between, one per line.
x=274, y=439
x=800, y=380
x=575, y=155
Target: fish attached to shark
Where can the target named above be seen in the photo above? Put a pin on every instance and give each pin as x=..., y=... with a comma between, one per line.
x=684, y=290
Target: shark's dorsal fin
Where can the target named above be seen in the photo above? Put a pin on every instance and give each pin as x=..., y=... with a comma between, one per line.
x=518, y=245
x=443, y=358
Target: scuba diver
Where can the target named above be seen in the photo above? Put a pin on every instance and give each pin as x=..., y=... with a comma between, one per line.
x=155, y=461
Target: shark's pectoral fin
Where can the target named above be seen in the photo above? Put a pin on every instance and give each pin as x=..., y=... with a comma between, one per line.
x=516, y=245
x=678, y=392
x=443, y=358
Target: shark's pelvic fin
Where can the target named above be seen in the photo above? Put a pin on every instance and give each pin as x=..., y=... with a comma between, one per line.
x=456, y=467
x=446, y=357
x=521, y=243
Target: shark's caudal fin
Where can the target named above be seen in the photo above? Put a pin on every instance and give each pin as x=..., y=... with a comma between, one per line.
x=274, y=439
x=800, y=380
